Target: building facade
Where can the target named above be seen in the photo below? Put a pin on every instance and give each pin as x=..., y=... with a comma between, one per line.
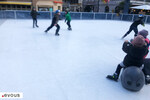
x=41, y=5
x=15, y=4
x=72, y=5
x=99, y=5
x=140, y=2
x=48, y=5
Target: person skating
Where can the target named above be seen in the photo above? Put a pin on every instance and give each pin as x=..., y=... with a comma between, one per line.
x=135, y=55
x=134, y=26
x=68, y=19
x=55, y=23
x=34, y=14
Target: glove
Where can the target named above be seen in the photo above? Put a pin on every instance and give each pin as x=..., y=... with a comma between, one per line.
x=131, y=40
x=143, y=25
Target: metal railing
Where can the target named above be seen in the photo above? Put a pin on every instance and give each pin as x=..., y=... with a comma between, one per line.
x=74, y=15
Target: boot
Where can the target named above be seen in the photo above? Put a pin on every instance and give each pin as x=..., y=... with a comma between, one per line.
x=124, y=36
x=147, y=79
x=37, y=26
x=56, y=34
x=113, y=77
x=45, y=31
x=69, y=28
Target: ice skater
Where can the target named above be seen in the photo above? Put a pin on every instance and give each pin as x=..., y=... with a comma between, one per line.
x=135, y=55
x=134, y=26
x=55, y=23
x=34, y=14
x=68, y=19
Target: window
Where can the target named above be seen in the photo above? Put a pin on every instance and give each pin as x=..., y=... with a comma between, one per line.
x=59, y=8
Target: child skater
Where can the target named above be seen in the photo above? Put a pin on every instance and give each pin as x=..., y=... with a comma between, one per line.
x=55, y=23
x=68, y=19
x=146, y=69
x=144, y=33
x=34, y=14
x=135, y=55
x=134, y=26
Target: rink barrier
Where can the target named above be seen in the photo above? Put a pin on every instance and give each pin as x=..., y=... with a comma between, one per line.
x=75, y=16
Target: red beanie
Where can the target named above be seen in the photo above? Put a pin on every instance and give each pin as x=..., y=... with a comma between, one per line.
x=138, y=41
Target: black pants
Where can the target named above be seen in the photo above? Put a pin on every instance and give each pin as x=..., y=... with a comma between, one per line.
x=132, y=28
x=35, y=22
x=119, y=67
x=68, y=23
x=52, y=25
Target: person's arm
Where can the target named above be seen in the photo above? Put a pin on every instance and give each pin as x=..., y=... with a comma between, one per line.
x=126, y=46
x=142, y=23
x=66, y=18
x=146, y=52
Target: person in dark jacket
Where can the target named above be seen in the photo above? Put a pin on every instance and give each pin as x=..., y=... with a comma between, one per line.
x=68, y=19
x=34, y=14
x=144, y=33
x=135, y=55
x=134, y=26
x=106, y=9
x=55, y=23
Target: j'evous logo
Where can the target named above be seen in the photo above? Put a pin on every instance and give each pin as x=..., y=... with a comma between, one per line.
x=16, y=95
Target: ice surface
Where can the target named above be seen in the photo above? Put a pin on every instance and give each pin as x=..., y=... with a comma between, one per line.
x=72, y=66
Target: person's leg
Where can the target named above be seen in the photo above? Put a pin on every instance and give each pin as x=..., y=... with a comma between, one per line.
x=57, y=30
x=136, y=31
x=36, y=23
x=115, y=76
x=33, y=22
x=68, y=23
x=128, y=32
x=147, y=79
x=49, y=27
x=119, y=67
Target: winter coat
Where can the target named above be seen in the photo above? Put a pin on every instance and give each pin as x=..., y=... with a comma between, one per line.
x=135, y=55
x=137, y=22
x=55, y=19
x=68, y=17
x=148, y=43
x=34, y=14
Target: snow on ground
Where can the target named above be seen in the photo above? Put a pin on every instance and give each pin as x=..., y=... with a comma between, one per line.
x=72, y=66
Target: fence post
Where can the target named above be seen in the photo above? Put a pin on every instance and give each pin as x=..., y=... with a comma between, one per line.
x=112, y=16
x=94, y=16
x=80, y=15
x=132, y=17
x=3, y=14
x=50, y=14
x=121, y=17
x=15, y=14
x=146, y=19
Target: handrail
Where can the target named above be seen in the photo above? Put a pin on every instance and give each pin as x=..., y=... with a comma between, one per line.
x=15, y=14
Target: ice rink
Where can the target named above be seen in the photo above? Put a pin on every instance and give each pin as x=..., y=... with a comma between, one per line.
x=72, y=66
